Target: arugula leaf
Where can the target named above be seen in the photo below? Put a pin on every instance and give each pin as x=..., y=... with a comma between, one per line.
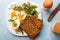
x=10, y=20
x=24, y=4
x=34, y=7
x=21, y=31
x=29, y=10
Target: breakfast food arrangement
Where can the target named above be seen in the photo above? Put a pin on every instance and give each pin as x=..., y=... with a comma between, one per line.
x=25, y=18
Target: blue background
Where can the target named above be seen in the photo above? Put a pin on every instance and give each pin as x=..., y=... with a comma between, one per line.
x=46, y=32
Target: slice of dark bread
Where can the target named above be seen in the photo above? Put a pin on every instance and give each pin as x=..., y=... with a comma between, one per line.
x=31, y=26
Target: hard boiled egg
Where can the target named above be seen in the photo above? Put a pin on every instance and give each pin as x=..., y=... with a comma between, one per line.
x=15, y=24
x=13, y=14
x=21, y=16
x=18, y=16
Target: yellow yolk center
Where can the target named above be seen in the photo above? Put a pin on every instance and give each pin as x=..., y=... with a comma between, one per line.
x=14, y=24
x=13, y=14
x=20, y=16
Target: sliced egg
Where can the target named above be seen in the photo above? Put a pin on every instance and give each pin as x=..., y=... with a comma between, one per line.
x=13, y=14
x=21, y=16
x=15, y=24
x=18, y=16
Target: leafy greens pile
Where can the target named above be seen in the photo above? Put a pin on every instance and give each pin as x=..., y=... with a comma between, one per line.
x=29, y=9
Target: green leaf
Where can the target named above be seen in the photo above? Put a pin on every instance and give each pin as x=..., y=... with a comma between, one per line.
x=26, y=8
x=24, y=4
x=21, y=31
x=10, y=20
x=33, y=11
x=34, y=6
x=30, y=10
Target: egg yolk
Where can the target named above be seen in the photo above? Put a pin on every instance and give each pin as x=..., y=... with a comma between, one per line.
x=14, y=24
x=20, y=16
x=13, y=14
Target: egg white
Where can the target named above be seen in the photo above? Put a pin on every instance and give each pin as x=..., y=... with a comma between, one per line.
x=18, y=24
x=23, y=13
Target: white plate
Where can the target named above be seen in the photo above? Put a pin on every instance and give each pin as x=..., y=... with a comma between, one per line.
x=7, y=17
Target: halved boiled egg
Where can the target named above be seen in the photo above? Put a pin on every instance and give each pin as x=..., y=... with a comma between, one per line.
x=21, y=16
x=15, y=24
x=13, y=13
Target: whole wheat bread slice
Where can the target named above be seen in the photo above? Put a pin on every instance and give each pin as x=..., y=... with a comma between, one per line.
x=31, y=26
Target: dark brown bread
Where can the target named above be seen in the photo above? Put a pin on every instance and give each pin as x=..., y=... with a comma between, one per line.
x=31, y=26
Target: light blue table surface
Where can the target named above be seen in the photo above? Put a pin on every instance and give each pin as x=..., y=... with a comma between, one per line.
x=46, y=33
